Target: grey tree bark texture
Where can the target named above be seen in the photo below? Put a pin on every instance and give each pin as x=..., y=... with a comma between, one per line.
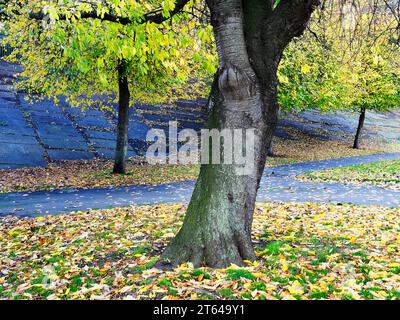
x=251, y=36
x=361, y=121
x=121, y=149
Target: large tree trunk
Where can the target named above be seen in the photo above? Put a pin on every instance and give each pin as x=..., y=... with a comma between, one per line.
x=360, y=127
x=123, y=120
x=217, y=228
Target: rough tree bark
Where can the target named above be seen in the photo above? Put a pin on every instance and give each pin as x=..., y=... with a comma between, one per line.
x=123, y=120
x=251, y=37
x=360, y=127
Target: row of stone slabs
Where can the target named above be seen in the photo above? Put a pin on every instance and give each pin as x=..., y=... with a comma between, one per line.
x=32, y=133
x=18, y=143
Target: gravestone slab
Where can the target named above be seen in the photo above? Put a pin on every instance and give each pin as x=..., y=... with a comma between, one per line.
x=45, y=105
x=5, y=104
x=157, y=118
x=187, y=104
x=56, y=155
x=12, y=122
x=65, y=143
x=78, y=113
x=42, y=113
x=20, y=130
x=42, y=120
x=137, y=130
x=106, y=135
x=12, y=166
x=93, y=122
x=110, y=154
x=6, y=88
x=22, y=154
x=8, y=96
x=103, y=144
x=50, y=131
x=148, y=107
x=17, y=139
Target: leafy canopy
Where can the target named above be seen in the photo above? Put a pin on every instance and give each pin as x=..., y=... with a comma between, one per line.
x=349, y=59
x=65, y=54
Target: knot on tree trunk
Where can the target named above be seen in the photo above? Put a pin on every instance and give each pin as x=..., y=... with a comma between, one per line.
x=235, y=84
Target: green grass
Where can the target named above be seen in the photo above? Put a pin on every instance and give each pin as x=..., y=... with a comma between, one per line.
x=385, y=172
x=235, y=274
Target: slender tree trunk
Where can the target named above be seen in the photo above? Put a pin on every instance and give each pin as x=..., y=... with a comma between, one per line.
x=123, y=120
x=250, y=37
x=360, y=127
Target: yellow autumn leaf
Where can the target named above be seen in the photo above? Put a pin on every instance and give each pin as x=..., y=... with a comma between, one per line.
x=305, y=69
x=296, y=288
x=316, y=217
x=258, y=274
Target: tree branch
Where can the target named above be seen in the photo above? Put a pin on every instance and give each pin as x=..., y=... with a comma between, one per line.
x=155, y=16
x=289, y=20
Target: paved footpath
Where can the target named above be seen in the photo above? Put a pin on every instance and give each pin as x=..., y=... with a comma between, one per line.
x=278, y=184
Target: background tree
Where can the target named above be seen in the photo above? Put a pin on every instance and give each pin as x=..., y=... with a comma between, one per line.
x=143, y=59
x=348, y=60
x=378, y=87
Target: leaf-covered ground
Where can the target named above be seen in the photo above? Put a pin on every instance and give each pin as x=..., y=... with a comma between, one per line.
x=97, y=173
x=305, y=251
x=305, y=148
x=384, y=174
x=92, y=174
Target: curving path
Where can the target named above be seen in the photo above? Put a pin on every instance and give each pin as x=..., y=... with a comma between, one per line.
x=278, y=184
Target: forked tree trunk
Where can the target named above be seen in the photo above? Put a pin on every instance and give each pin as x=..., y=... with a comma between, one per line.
x=360, y=128
x=217, y=228
x=123, y=120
